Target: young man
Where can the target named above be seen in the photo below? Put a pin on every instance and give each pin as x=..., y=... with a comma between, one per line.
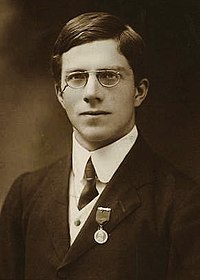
x=133, y=216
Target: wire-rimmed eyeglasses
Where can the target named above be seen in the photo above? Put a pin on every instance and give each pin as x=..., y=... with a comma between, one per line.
x=78, y=79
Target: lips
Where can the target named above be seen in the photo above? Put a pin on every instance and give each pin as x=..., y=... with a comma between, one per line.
x=94, y=113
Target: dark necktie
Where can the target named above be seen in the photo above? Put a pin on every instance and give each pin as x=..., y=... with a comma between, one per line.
x=89, y=191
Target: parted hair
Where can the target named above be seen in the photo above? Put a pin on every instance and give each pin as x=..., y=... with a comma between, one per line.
x=95, y=26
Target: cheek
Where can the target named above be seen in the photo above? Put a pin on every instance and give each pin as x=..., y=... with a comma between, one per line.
x=70, y=102
x=123, y=101
x=125, y=106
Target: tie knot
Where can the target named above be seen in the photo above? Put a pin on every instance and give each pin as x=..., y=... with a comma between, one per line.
x=89, y=170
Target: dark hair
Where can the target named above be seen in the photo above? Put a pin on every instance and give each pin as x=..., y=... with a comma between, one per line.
x=95, y=26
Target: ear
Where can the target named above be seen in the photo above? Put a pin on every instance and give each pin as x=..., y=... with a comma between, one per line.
x=141, y=92
x=59, y=95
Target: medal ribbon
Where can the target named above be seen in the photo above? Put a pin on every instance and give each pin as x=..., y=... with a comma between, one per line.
x=103, y=215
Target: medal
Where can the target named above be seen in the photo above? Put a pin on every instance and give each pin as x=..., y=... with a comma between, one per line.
x=101, y=236
x=102, y=217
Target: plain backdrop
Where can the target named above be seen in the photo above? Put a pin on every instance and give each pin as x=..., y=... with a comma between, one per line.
x=34, y=129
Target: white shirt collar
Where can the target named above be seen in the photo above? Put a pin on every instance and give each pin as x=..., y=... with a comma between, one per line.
x=106, y=160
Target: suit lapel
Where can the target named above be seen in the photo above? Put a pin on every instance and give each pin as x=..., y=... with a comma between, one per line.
x=121, y=195
x=56, y=204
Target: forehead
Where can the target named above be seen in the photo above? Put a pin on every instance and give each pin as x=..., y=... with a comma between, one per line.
x=95, y=55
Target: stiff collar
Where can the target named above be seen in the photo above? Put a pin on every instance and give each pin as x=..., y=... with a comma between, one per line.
x=106, y=160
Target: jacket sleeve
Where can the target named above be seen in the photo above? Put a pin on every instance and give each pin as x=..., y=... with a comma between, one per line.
x=184, y=261
x=11, y=235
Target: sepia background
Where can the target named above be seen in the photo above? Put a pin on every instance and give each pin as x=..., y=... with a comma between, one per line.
x=34, y=129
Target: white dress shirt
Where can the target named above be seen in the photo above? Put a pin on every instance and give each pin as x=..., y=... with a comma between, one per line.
x=106, y=161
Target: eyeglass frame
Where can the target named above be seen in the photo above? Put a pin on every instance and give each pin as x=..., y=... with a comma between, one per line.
x=96, y=72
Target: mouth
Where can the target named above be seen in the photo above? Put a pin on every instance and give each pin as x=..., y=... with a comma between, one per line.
x=94, y=113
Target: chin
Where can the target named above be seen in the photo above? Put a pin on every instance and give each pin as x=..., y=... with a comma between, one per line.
x=93, y=140
x=96, y=138
x=94, y=134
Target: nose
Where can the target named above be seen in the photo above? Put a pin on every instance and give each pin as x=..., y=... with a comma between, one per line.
x=92, y=90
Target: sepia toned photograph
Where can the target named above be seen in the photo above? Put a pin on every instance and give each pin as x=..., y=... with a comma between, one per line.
x=100, y=130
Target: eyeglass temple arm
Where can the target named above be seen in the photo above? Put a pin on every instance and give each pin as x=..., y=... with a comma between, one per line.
x=62, y=90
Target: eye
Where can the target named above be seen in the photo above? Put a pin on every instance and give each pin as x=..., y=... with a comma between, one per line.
x=108, y=78
x=109, y=75
x=76, y=76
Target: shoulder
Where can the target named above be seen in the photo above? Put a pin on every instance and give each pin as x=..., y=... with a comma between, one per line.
x=36, y=177
x=180, y=189
x=161, y=166
x=170, y=191
x=31, y=184
x=162, y=173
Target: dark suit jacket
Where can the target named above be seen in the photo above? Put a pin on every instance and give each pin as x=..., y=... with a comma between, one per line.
x=154, y=230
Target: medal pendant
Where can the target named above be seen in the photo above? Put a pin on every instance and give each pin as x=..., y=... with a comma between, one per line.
x=102, y=217
x=101, y=236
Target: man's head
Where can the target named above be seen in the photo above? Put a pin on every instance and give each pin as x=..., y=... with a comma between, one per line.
x=98, y=26
x=99, y=74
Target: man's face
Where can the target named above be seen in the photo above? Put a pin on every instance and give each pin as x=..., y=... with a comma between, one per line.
x=100, y=115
